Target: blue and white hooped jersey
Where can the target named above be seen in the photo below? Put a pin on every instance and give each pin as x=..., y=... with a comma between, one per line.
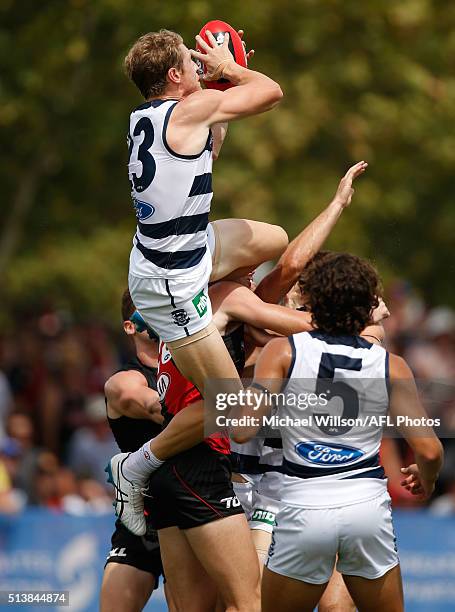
x=258, y=456
x=171, y=196
x=331, y=447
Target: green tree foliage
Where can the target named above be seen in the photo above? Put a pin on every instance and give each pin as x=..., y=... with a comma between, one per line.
x=367, y=80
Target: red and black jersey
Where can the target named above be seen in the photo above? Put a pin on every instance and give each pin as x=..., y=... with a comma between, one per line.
x=176, y=393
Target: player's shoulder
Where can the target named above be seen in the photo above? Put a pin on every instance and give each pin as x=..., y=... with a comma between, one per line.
x=198, y=105
x=398, y=367
x=124, y=380
x=280, y=347
x=277, y=357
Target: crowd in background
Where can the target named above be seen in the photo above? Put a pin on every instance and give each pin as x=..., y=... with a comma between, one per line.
x=55, y=439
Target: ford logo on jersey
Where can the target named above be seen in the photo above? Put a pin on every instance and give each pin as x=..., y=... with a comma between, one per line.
x=143, y=209
x=321, y=453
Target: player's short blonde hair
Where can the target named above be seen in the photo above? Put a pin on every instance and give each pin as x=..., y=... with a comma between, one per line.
x=150, y=58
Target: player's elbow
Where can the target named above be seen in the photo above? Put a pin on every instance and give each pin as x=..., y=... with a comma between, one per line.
x=277, y=94
x=274, y=96
x=430, y=450
x=292, y=267
x=242, y=437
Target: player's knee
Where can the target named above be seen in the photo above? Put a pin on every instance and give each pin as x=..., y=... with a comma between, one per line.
x=278, y=241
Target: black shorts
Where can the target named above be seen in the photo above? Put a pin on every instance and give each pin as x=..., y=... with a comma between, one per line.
x=141, y=552
x=192, y=489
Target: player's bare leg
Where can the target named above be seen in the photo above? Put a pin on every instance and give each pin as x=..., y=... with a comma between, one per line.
x=125, y=588
x=288, y=594
x=192, y=588
x=243, y=244
x=203, y=356
x=385, y=593
x=336, y=597
x=226, y=551
x=261, y=541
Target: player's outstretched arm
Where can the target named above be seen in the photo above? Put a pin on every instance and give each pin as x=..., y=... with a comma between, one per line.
x=279, y=281
x=127, y=394
x=269, y=373
x=428, y=451
x=241, y=304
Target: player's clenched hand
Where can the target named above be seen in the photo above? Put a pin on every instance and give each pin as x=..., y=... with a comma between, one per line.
x=345, y=191
x=415, y=484
x=215, y=57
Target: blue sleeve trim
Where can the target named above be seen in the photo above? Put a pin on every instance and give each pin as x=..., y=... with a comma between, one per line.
x=291, y=367
x=168, y=148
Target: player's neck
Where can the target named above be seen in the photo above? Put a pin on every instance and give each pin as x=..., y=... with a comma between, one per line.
x=169, y=94
x=146, y=355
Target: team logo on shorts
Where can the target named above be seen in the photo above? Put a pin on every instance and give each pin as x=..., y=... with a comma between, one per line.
x=117, y=552
x=328, y=455
x=180, y=317
x=200, y=303
x=144, y=210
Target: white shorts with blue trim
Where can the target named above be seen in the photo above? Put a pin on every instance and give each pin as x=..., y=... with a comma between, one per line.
x=266, y=501
x=176, y=307
x=307, y=540
x=260, y=497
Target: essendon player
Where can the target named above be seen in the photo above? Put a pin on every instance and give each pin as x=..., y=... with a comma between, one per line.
x=198, y=517
x=133, y=566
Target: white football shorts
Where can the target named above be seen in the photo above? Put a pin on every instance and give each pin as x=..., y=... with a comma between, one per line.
x=306, y=541
x=266, y=501
x=244, y=493
x=259, y=497
x=175, y=307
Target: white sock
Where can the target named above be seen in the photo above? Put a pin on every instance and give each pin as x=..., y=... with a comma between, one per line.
x=140, y=464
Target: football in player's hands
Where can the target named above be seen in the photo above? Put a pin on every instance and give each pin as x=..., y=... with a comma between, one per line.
x=219, y=29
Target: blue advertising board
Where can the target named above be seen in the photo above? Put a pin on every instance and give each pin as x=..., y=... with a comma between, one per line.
x=40, y=550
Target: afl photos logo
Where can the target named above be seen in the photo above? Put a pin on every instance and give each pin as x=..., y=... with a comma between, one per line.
x=162, y=385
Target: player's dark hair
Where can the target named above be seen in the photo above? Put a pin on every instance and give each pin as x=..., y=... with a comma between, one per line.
x=127, y=305
x=341, y=291
x=150, y=58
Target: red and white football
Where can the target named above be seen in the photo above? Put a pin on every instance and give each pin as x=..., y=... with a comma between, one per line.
x=218, y=29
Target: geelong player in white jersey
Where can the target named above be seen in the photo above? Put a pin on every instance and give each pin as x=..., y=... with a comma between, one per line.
x=176, y=252
x=335, y=504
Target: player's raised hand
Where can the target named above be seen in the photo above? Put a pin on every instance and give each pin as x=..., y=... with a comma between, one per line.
x=250, y=53
x=415, y=484
x=215, y=56
x=345, y=190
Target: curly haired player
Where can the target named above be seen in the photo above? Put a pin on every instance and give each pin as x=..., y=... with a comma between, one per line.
x=335, y=504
